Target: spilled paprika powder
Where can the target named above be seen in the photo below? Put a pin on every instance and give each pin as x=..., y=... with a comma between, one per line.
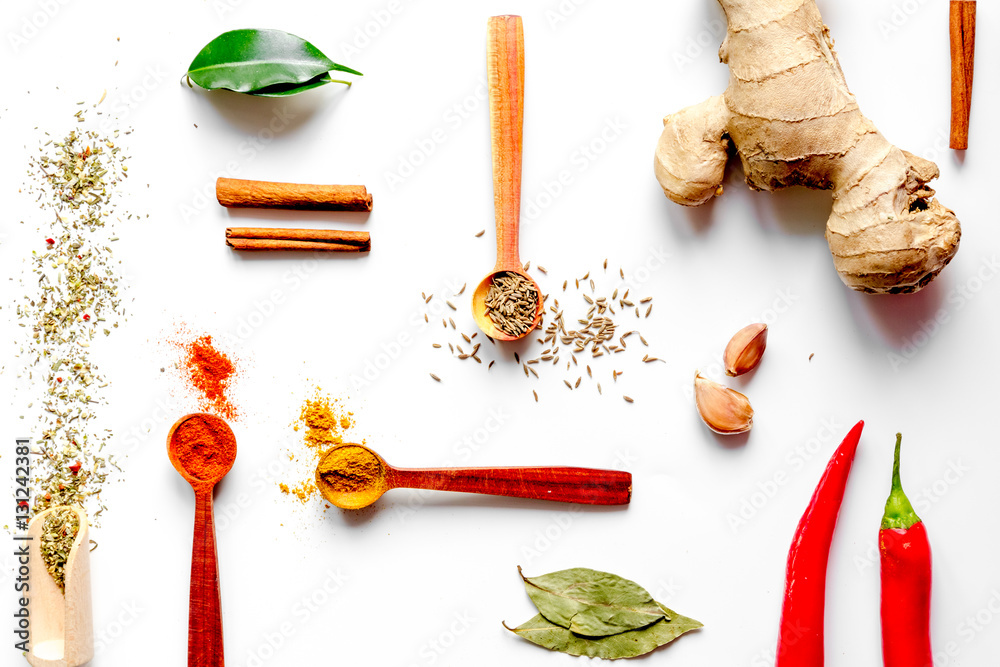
x=210, y=372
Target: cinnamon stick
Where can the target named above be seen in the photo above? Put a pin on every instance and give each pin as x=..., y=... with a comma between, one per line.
x=239, y=193
x=962, y=27
x=327, y=240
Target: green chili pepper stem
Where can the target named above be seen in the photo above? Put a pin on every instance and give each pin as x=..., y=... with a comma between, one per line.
x=899, y=512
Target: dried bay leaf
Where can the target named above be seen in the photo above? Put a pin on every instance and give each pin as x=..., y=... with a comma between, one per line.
x=628, y=644
x=592, y=603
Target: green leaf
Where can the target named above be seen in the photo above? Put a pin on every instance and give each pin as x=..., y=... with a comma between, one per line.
x=248, y=60
x=286, y=89
x=592, y=603
x=628, y=644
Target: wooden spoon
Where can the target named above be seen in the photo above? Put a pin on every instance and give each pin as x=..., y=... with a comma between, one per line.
x=62, y=621
x=505, y=73
x=203, y=439
x=352, y=476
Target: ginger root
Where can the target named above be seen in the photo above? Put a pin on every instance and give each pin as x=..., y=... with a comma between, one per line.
x=793, y=121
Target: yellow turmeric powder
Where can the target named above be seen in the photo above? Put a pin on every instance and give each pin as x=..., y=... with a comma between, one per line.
x=351, y=476
x=324, y=421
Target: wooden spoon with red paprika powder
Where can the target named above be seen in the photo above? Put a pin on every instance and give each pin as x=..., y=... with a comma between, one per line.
x=202, y=448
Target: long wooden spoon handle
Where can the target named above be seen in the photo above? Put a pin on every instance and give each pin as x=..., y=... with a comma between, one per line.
x=962, y=27
x=505, y=73
x=587, y=486
x=205, y=610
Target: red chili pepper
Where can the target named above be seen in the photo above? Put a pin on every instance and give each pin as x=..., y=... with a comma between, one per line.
x=800, y=640
x=906, y=580
x=76, y=467
x=50, y=241
x=86, y=317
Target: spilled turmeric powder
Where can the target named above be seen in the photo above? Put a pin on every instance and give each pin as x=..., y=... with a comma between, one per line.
x=323, y=422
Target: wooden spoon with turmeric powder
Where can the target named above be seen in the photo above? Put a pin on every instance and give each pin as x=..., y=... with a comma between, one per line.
x=352, y=476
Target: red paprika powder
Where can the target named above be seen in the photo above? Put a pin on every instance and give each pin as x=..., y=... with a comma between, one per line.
x=205, y=446
x=210, y=372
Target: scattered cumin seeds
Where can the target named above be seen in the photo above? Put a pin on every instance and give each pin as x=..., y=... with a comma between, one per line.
x=542, y=269
x=436, y=345
x=480, y=233
x=649, y=310
x=461, y=290
x=621, y=272
x=452, y=323
x=536, y=395
x=605, y=263
x=426, y=319
x=467, y=339
x=811, y=356
x=517, y=358
x=577, y=382
x=423, y=296
x=628, y=399
x=599, y=389
x=646, y=300
x=428, y=298
x=450, y=305
x=589, y=374
x=527, y=266
x=436, y=378
x=565, y=282
x=491, y=364
x=568, y=384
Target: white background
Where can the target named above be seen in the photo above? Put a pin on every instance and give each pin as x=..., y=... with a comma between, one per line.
x=432, y=585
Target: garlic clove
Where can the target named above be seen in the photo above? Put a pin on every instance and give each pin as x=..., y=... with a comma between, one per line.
x=745, y=349
x=724, y=410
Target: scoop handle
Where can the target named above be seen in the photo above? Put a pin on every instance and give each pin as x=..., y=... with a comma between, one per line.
x=587, y=486
x=205, y=607
x=505, y=75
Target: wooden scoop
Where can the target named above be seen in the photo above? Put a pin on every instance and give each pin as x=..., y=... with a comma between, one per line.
x=505, y=74
x=352, y=476
x=61, y=632
x=205, y=646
